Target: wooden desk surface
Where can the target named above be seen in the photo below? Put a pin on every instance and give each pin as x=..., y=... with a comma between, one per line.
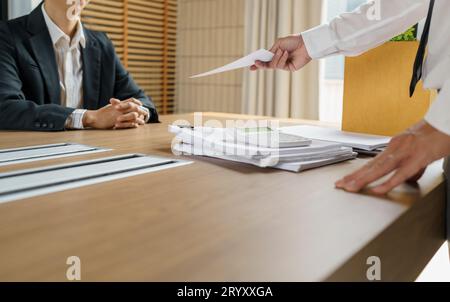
x=214, y=220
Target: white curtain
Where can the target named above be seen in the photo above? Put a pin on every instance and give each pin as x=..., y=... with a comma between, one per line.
x=279, y=93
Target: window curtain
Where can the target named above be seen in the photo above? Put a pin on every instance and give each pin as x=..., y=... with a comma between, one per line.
x=279, y=93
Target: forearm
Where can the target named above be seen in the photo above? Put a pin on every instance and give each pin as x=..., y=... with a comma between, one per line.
x=353, y=33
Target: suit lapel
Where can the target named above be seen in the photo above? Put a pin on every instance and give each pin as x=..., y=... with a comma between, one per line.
x=91, y=73
x=42, y=47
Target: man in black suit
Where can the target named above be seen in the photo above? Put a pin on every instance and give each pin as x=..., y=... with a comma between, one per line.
x=57, y=75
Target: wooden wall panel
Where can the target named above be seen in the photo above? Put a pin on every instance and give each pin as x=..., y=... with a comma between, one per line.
x=144, y=34
x=210, y=34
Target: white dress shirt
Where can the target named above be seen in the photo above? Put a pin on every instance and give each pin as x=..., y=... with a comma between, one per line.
x=353, y=33
x=70, y=69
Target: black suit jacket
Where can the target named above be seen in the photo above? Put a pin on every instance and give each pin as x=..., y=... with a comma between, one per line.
x=29, y=79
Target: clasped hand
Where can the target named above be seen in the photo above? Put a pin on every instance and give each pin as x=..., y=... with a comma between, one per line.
x=117, y=115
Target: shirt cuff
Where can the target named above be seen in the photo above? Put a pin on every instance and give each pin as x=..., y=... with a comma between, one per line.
x=147, y=118
x=319, y=42
x=75, y=120
x=438, y=116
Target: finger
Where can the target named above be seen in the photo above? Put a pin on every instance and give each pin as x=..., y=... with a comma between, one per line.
x=258, y=66
x=140, y=121
x=369, y=173
x=283, y=61
x=418, y=176
x=292, y=67
x=361, y=171
x=129, y=117
x=138, y=102
x=377, y=161
x=406, y=171
x=295, y=64
x=273, y=64
x=261, y=65
x=141, y=111
x=125, y=125
x=275, y=47
x=130, y=107
x=114, y=102
x=135, y=101
x=121, y=106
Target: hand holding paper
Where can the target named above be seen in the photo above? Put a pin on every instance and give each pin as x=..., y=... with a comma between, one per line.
x=290, y=54
x=247, y=61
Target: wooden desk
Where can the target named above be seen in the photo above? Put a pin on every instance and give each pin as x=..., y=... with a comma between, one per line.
x=214, y=220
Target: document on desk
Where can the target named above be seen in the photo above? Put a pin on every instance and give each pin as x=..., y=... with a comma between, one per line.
x=293, y=164
x=247, y=61
x=43, y=152
x=219, y=143
x=348, y=139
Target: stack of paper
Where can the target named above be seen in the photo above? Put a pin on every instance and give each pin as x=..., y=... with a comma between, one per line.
x=349, y=139
x=222, y=143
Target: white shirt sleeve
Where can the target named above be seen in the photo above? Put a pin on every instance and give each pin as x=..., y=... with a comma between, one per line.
x=75, y=120
x=439, y=114
x=370, y=25
x=147, y=117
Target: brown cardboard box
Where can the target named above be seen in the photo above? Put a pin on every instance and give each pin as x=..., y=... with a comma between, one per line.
x=376, y=91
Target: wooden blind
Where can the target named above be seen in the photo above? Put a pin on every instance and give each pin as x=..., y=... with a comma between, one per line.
x=144, y=34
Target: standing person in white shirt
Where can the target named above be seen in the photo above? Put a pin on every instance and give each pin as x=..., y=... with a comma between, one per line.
x=354, y=33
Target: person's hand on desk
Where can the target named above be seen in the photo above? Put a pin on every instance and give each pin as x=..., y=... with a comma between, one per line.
x=133, y=114
x=408, y=155
x=117, y=115
x=290, y=55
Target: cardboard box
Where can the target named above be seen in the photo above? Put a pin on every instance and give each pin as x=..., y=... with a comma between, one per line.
x=376, y=91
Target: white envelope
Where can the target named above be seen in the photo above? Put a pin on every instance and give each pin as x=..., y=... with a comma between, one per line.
x=247, y=61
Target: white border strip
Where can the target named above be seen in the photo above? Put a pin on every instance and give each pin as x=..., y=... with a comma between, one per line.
x=83, y=183
x=27, y=160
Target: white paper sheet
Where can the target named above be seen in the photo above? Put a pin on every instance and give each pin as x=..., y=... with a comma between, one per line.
x=297, y=167
x=247, y=61
x=349, y=139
